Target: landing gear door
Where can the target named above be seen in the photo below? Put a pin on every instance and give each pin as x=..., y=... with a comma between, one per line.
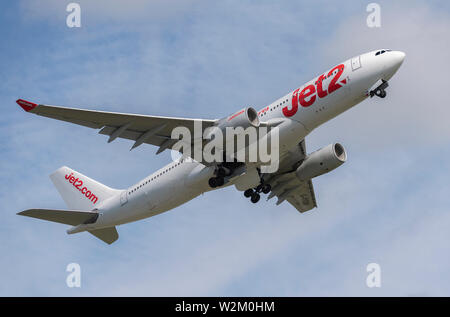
x=123, y=198
x=356, y=63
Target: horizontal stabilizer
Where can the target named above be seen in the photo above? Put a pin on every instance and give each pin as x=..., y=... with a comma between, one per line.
x=108, y=235
x=68, y=217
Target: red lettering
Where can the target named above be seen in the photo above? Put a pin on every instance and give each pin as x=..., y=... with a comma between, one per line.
x=77, y=183
x=235, y=115
x=308, y=91
x=333, y=85
x=308, y=94
x=93, y=198
x=320, y=92
x=263, y=110
x=290, y=112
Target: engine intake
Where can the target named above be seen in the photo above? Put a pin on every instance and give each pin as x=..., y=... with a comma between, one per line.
x=244, y=118
x=322, y=161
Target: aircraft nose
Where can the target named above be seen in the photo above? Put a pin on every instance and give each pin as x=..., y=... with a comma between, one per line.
x=392, y=62
x=399, y=57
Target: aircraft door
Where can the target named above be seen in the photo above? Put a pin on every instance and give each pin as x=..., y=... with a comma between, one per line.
x=356, y=63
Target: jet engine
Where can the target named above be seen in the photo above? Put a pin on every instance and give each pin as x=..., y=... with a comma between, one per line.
x=322, y=161
x=238, y=124
x=243, y=119
x=247, y=117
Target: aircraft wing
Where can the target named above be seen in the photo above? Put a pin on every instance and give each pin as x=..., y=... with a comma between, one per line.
x=153, y=130
x=285, y=184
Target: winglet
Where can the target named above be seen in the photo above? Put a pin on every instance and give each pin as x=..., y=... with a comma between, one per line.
x=26, y=105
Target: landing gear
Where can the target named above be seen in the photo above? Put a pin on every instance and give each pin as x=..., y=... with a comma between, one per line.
x=380, y=93
x=212, y=182
x=223, y=171
x=258, y=188
x=254, y=194
x=255, y=197
x=216, y=182
x=266, y=188
x=248, y=193
x=380, y=90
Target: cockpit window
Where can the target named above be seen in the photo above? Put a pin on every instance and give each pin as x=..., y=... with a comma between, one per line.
x=381, y=52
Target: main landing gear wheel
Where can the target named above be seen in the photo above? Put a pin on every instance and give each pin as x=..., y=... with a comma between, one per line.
x=219, y=179
x=266, y=188
x=254, y=193
x=255, y=197
x=216, y=182
x=248, y=193
x=212, y=182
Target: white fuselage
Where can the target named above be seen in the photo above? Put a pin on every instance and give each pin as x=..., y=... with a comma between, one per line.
x=302, y=110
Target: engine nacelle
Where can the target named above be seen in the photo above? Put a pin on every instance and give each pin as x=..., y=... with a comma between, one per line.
x=322, y=161
x=247, y=117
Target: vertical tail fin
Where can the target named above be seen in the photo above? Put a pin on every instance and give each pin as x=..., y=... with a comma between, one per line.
x=79, y=191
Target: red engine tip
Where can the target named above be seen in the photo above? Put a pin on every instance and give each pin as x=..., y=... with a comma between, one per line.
x=26, y=105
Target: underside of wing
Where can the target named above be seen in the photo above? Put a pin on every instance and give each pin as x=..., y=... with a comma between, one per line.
x=155, y=130
x=303, y=198
x=298, y=193
x=287, y=187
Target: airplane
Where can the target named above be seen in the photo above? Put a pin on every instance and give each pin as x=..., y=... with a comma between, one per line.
x=98, y=209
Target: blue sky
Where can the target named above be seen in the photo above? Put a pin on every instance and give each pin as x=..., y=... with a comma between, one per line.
x=388, y=204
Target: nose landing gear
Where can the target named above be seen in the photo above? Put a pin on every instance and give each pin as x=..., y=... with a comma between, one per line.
x=380, y=90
